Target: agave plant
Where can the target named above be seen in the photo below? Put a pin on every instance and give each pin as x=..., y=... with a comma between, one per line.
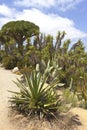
x=35, y=96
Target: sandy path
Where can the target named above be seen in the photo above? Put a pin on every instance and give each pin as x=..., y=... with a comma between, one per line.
x=6, y=83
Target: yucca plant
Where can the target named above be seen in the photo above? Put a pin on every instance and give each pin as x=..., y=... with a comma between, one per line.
x=35, y=96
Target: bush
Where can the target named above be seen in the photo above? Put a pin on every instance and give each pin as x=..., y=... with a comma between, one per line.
x=9, y=62
x=70, y=98
x=83, y=104
x=82, y=95
x=1, y=55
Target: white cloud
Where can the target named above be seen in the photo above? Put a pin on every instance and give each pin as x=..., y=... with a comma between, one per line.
x=6, y=11
x=35, y=3
x=51, y=23
x=48, y=23
x=62, y=5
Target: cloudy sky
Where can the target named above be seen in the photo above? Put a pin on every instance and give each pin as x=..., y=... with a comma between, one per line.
x=51, y=15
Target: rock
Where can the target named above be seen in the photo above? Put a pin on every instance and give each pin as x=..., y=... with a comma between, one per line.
x=15, y=70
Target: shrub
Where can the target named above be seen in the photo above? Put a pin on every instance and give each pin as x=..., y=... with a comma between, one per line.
x=35, y=96
x=0, y=56
x=83, y=104
x=70, y=98
x=82, y=95
x=9, y=62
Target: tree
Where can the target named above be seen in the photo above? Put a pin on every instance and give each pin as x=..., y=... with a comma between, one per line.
x=60, y=36
x=20, y=31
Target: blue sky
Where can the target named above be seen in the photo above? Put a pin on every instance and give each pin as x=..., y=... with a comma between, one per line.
x=50, y=15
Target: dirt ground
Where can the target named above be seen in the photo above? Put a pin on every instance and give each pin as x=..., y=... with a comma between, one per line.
x=82, y=115
x=6, y=123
